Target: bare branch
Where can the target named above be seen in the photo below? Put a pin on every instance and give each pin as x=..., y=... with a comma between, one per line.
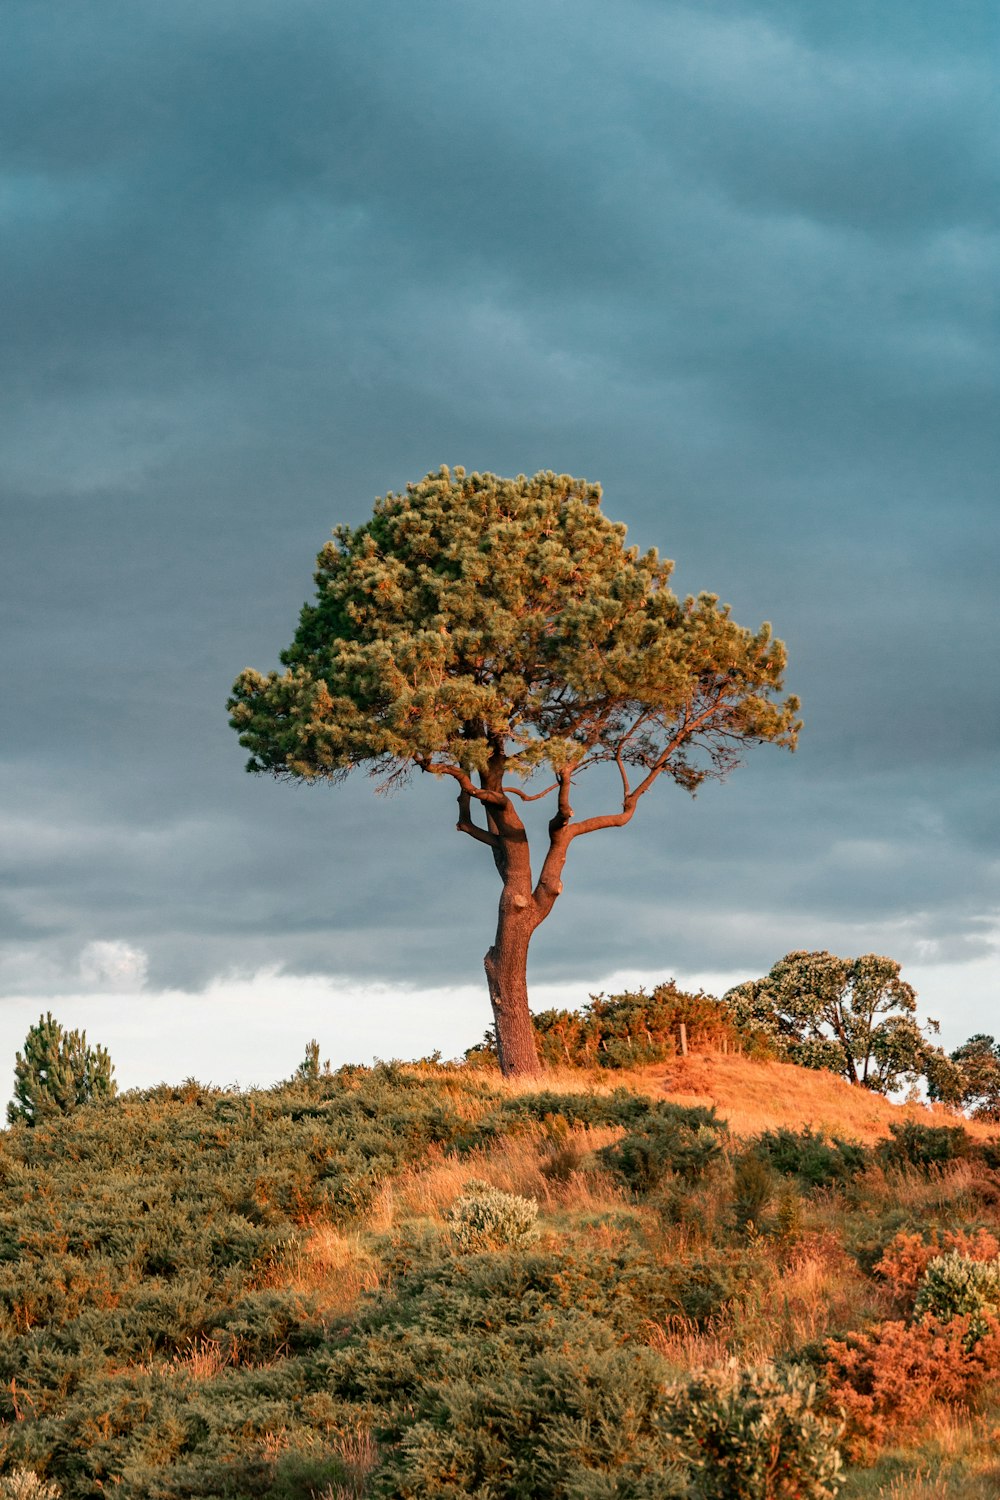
x=688, y=728
x=513, y=791
x=466, y=825
x=481, y=794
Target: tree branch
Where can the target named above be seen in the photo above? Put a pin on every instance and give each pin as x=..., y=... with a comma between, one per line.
x=465, y=781
x=688, y=728
x=466, y=825
x=513, y=791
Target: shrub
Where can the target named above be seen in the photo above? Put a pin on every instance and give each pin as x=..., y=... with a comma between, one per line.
x=915, y=1145
x=576, y=1420
x=753, y=1187
x=885, y=1379
x=905, y=1259
x=954, y=1286
x=636, y=1028
x=670, y=1140
x=755, y=1435
x=25, y=1484
x=628, y=1030
x=808, y=1155
x=487, y=1219
x=562, y=1151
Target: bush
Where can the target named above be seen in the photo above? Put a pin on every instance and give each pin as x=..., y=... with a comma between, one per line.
x=487, y=1219
x=925, y=1146
x=753, y=1190
x=670, y=1140
x=954, y=1286
x=629, y=1030
x=25, y=1484
x=577, y=1420
x=808, y=1155
x=57, y=1072
x=885, y=1379
x=755, y=1435
x=904, y=1261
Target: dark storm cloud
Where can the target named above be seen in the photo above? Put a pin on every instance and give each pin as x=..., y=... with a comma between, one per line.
x=261, y=263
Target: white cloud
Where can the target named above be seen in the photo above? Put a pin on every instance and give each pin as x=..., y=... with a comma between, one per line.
x=113, y=966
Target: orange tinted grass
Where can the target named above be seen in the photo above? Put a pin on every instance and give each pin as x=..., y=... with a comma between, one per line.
x=514, y=1165
x=330, y=1266
x=754, y=1096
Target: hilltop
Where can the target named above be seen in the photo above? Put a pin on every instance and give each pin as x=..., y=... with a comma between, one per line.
x=422, y=1280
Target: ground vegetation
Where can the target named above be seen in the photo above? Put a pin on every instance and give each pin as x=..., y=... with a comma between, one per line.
x=428, y=1281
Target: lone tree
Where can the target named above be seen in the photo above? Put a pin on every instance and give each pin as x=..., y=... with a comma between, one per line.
x=485, y=629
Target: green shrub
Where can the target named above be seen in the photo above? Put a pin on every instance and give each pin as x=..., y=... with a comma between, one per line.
x=484, y=1218
x=753, y=1190
x=954, y=1286
x=755, y=1435
x=925, y=1146
x=811, y=1157
x=57, y=1072
x=576, y=1420
x=669, y=1140
x=629, y=1030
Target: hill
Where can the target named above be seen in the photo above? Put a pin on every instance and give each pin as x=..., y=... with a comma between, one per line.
x=424, y=1281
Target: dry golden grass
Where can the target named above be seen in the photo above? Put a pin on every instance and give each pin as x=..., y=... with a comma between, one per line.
x=514, y=1165
x=333, y=1268
x=359, y=1454
x=757, y=1096
x=954, y=1457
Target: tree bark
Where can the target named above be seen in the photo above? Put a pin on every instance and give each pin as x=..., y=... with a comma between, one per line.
x=506, y=965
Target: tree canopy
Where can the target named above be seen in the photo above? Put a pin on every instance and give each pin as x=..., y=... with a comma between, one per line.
x=486, y=629
x=852, y=1015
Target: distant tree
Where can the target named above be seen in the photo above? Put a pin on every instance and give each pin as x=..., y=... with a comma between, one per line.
x=977, y=1085
x=852, y=1015
x=482, y=629
x=945, y=1079
x=56, y=1072
x=310, y=1070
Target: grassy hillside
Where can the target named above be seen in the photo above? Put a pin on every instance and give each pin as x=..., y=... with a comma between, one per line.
x=300, y=1293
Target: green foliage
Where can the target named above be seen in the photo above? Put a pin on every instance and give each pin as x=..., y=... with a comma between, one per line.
x=851, y=1015
x=520, y=1374
x=669, y=1140
x=485, y=629
x=753, y=1191
x=631, y=1029
x=310, y=1070
x=473, y=612
x=56, y=1072
x=978, y=1064
x=756, y=1435
x=912, y=1144
x=811, y=1157
x=956, y=1286
x=575, y=1419
x=485, y=1218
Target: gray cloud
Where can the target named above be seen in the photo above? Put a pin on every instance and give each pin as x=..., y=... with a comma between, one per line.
x=261, y=264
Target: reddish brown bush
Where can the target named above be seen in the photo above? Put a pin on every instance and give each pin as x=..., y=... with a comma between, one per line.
x=907, y=1257
x=885, y=1380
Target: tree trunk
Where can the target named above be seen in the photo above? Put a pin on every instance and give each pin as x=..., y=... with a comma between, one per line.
x=506, y=966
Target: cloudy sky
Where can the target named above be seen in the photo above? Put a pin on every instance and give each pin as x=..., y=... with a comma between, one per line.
x=261, y=263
